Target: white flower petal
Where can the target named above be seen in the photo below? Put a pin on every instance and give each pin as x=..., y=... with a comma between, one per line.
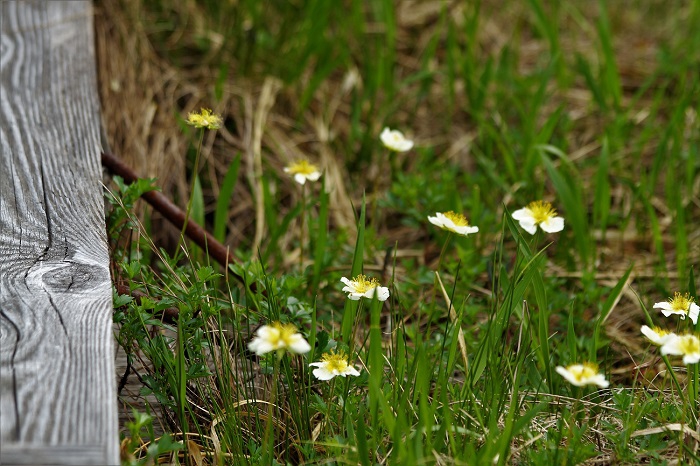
x=299, y=345
x=529, y=226
x=553, y=225
x=382, y=293
x=672, y=347
x=691, y=358
x=655, y=337
x=260, y=347
x=687, y=346
x=600, y=381
x=568, y=374
x=523, y=214
x=437, y=221
x=466, y=230
x=667, y=309
x=299, y=178
x=395, y=140
x=323, y=374
x=693, y=313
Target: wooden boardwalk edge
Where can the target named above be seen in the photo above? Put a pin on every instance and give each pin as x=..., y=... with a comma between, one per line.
x=58, y=402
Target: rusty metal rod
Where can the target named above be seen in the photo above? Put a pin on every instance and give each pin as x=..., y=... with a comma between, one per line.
x=174, y=214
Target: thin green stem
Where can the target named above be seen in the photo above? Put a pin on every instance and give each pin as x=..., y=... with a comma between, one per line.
x=301, y=235
x=195, y=171
x=269, y=444
x=444, y=249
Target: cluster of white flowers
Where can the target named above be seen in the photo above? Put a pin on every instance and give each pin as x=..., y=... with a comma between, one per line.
x=285, y=337
x=537, y=214
x=686, y=345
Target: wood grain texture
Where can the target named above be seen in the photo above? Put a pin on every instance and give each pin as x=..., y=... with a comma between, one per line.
x=56, y=347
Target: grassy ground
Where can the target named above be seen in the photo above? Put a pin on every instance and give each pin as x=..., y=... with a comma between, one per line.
x=591, y=106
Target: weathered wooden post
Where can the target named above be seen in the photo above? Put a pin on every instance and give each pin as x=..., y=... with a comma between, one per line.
x=57, y=382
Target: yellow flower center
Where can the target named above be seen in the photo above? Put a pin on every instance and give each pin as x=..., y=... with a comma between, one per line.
x=541, y=211
x=458, y=219
x=364, y=284
x=584, y=371
x=283, y=334
x=335, y=362
x=302, y=167
x=680, y=302
x=660, y=332
x=689, y=344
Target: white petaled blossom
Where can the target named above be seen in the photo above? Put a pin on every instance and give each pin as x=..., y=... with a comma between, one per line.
x=364, y=287
x=333, y=364
x=456, y=223
x=687, y=346
x=583, y=374
x=539, y=213
x=395, y=140
x=278, y=337
x=657, y=335
x=303, y=170
x=683, y=305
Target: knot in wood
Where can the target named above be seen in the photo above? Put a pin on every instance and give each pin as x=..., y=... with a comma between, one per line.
x=74, y=277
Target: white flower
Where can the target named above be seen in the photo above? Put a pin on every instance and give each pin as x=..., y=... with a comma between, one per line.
x=395, y=140
x=682, y=305
x=278, y=337
x=539, y=213
x=333, y=364
x=583, y=374
x=687, y=346
x=456, y=223
x=362, y=286
x=303, y=170
x=657, y=335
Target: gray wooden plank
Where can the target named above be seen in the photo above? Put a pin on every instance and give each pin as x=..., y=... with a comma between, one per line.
x=69, y=455
x=56, y=347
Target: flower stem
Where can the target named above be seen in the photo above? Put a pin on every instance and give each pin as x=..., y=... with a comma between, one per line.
x=269, y=444
x=195, y=172
x=301, y=235
x=444, y=248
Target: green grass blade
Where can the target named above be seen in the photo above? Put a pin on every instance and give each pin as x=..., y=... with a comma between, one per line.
x=357, y=267
x=321, y=237
x=224, y=200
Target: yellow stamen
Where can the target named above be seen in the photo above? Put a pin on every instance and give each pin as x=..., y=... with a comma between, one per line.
x=364, y=284
x=680, y=302
x=660, y=332
x=204, y=119
x=541, y=211
x=458, y=219
x=335, y=362
x=284, y=333
x=302, y=167
x=586, y=371
x=689, y=345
